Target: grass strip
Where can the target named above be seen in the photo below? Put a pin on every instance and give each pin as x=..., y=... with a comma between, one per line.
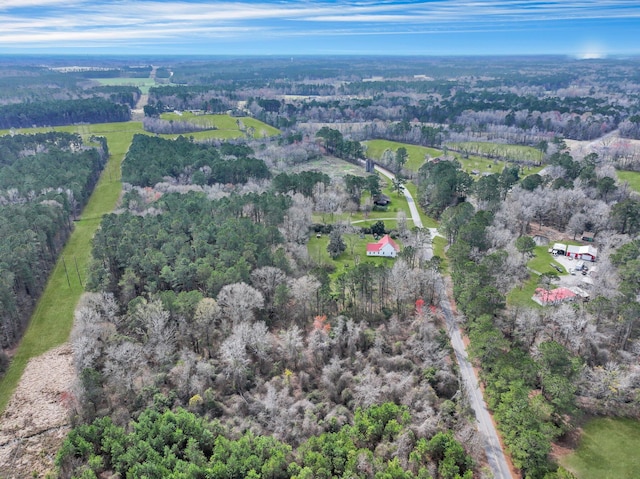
x=52, y=319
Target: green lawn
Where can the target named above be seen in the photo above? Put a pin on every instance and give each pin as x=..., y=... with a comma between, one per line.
x=439, y=244
x=52, y=319
x=542, y=261
x=480, y=164
x=521, y=295
x=334, y=167
x=375, y=149
x=608, y=449
x=631, y=177
x=356, y=252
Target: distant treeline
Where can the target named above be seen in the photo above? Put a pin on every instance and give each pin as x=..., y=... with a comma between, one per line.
x=124, y=72
x=62, y=112
x=43, y=183
x=124, y=94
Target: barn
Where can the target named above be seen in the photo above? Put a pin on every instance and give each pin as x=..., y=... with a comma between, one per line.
x=587, y=253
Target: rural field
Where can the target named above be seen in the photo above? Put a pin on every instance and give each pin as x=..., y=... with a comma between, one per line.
x=631, y=177
x=607, y=449
x=498, y=150
x=470, y=162
x=417, y=154
x=143, y=83
x=226, y=127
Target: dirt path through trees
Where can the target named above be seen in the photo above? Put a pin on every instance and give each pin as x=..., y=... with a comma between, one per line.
x=36, y=420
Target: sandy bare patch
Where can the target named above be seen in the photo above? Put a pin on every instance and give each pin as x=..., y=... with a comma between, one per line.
x=36, y=419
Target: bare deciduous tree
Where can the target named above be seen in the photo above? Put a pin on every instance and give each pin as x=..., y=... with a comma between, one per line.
x=237, y=302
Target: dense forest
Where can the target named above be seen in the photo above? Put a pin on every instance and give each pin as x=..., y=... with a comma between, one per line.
x=62, y=112
x=151, y=159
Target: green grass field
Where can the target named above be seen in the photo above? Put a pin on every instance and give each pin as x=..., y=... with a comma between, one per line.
x=417, y=154
x=631, y=177
x=143, y=83
x=375, y=149
x=608, y=449
x=226, y=126
x=499, y=150
x=541, y=262
x=439, y=244
x=227, y=129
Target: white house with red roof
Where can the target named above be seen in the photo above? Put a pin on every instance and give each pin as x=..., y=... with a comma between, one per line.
x=384, y=247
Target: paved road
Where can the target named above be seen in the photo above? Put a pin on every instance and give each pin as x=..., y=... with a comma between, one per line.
x=417, y=221
x=493, y=450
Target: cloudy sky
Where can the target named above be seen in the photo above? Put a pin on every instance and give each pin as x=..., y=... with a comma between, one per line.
x=582, y=28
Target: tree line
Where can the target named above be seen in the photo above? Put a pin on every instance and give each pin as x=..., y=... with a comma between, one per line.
x=62, y=112
x=44, y=183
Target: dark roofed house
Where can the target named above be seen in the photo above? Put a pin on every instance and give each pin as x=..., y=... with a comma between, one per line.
x=381, y=200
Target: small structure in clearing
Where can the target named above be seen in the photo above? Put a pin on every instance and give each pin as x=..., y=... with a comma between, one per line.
x=381, y=200
x=384, y=247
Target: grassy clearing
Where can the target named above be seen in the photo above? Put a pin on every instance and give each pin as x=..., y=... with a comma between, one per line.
x=355, y=253
x=542, y=261
x=333, y=167
x=608, y=449
x=479, y=164
x=417, y=154
x=469, y=162
x=143, y=83
x=521, y=295
x=486, y=165
x=499, y=150
x=631, y=177
x=52, y=319
x=226, y=126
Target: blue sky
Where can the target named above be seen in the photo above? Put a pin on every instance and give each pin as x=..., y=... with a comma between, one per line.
x=586, y=28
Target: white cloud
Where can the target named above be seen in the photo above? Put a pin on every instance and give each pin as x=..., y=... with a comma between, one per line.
x=30, y=22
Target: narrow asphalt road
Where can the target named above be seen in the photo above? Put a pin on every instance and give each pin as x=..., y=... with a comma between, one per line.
x=495, y=454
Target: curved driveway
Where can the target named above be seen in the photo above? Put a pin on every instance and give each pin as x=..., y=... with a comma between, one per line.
x=495, y=454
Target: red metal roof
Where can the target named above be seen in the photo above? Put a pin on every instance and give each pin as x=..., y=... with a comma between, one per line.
x=383, y=241
x=554, y=295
